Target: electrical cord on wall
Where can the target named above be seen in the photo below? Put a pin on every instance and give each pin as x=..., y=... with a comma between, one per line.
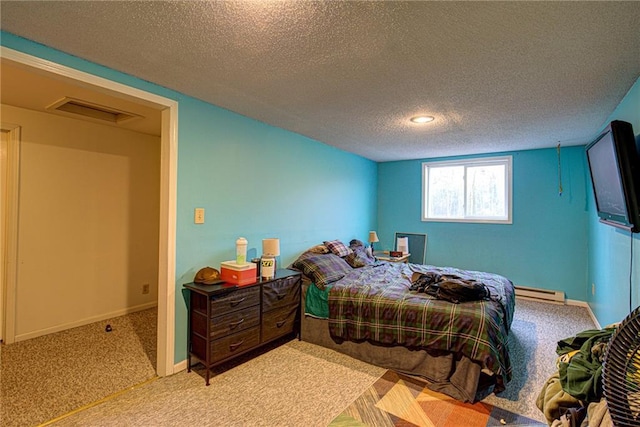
x=631, y=275
x=559, y=171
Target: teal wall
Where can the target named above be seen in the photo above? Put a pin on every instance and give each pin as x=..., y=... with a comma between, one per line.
x=254, y=180
x=610, y=249
x=259, y=181
x=545, y=247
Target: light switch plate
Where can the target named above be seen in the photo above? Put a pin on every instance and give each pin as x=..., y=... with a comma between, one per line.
x=198, y=216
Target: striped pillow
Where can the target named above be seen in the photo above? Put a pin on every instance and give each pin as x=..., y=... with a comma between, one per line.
x=322, y=269
x=338, y=248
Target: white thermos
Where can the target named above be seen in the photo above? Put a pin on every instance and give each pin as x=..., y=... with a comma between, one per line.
x=241, y=251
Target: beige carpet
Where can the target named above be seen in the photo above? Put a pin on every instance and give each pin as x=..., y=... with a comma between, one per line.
x=48, y=376
x=537, y=327
x=295, y=384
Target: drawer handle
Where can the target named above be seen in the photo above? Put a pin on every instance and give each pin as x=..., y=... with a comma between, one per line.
x=236, y=302
x=234, y=325
x=281, y=323
x=234, y=347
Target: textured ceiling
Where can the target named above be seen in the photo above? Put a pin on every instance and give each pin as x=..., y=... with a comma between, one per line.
x=497, y=76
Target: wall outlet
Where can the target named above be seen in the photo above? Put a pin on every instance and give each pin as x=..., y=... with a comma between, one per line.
x=145, y=288
x=593, y=289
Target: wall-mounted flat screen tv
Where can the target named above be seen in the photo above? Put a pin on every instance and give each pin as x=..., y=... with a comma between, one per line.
x=614, y=164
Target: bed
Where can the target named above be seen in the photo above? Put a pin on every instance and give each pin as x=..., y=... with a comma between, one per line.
x=367, y=309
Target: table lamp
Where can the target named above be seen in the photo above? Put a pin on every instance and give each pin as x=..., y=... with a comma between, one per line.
x=373, y=237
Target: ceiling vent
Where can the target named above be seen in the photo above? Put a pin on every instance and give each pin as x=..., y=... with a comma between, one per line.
x=75, y=107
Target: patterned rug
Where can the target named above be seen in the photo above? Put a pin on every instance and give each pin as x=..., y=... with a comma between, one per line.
x=398, y=400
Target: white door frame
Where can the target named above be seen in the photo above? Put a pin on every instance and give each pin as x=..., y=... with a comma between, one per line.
x=4, y=142
x=168, y=184
x=10, y=217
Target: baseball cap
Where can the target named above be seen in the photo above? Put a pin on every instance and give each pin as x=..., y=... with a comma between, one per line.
x=207, y=276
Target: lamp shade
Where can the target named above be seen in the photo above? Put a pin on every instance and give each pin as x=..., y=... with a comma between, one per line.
x=373, y=237
x=271, y=247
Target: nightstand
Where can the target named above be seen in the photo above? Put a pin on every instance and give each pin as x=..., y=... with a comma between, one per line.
x=384, y=256
x=227, y=320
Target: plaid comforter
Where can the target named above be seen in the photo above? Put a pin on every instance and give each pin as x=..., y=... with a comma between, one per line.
x=375, y=304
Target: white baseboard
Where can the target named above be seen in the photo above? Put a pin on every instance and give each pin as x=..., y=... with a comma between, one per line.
x=539, y=294
x=588, y=307
x=180, y=366
x=85, y=321
x=540, y=300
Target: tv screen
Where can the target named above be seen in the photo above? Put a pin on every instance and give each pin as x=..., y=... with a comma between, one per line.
x=615, y=172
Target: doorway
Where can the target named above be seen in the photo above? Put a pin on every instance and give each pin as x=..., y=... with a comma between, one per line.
x=167, y=214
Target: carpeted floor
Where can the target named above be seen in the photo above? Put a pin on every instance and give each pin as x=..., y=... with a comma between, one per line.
x=398, y=400
x=48, y=376
x=537, y=327
x=294, y=384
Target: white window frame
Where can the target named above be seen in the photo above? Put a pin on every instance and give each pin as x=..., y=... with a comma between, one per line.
x=507, y=161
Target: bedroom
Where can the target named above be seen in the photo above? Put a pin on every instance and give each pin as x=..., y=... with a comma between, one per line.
x=555, y=238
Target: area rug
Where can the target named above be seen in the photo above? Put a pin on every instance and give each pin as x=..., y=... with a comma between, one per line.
x=398, y=400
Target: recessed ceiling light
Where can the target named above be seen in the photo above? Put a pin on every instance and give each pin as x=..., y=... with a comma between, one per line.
x=421, y=119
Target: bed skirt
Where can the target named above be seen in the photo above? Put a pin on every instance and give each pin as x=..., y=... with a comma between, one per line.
x=460, y=378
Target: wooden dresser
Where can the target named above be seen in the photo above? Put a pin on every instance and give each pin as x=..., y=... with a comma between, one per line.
x=227, y=320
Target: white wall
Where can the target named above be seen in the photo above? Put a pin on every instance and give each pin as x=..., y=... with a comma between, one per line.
x=88, y=221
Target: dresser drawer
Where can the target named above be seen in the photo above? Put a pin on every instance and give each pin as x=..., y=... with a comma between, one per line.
x=236, y=300
x=234, y=344
x=229, y=323
x=277, y=323
x=235, y=322
x=281, y=292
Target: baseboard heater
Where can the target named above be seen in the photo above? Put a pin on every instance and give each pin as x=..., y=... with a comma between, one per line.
x=540, y=294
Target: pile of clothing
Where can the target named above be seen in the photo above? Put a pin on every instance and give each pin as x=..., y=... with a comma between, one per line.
x=449, y=287
x=572, y=397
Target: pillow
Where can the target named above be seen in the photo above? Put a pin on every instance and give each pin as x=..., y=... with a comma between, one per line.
x=318, y=249
x=359, y=258
x=338, y=248
x=356, y=243
x=322, y=269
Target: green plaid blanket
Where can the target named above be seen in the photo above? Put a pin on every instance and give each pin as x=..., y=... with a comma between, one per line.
x=375, y=304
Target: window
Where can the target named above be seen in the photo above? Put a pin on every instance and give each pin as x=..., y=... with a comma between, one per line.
x=472, y=190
